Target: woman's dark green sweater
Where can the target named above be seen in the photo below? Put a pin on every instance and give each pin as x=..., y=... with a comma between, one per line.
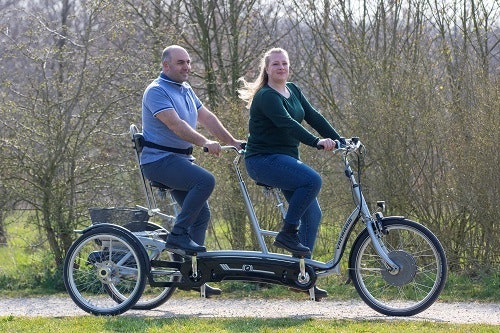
x=275, y=123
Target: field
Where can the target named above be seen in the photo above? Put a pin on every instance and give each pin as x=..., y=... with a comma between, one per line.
x=25, y=271
x=152, y=325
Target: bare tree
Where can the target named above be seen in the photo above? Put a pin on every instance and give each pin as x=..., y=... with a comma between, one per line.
x=410, y=79
x=417, y=80
x=64, y=89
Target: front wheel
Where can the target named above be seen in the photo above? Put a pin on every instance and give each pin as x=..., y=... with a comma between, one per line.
x=420, y=279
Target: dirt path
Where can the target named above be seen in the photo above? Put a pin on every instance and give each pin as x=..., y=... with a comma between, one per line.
x=60, y=306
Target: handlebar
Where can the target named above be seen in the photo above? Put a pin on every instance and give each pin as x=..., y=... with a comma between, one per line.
x=349, y=144
x=239, y=151
x=346, y=145
x=342, y=144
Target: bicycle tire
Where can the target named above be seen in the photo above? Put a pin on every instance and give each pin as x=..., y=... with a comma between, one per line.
x=152, y=297
x=422, y=274
x=106, y=258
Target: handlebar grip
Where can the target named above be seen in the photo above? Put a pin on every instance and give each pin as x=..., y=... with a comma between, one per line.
x=338, y=143
x=242, y=146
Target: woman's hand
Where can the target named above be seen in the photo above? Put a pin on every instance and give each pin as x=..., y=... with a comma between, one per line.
x=327, y=144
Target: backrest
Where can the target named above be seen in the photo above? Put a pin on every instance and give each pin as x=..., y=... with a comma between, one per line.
x=137, y=138
x=138, y=142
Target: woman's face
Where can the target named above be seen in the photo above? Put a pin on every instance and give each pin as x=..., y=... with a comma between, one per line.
x=278, y=67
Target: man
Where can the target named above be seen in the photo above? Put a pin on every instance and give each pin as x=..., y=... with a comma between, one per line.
x=170, y=113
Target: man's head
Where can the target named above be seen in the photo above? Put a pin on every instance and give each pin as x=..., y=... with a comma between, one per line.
x=176, y=63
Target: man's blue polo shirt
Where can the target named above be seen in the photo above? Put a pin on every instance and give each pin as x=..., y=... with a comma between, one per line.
x=163, y=94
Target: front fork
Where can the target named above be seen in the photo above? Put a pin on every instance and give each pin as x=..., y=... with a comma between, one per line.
x=376, y=231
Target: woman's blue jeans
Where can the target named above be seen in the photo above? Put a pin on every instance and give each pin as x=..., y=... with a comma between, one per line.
x=300, y=185
x=191, y=187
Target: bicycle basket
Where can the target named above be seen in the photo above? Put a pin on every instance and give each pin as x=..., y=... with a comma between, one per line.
x=117, y=215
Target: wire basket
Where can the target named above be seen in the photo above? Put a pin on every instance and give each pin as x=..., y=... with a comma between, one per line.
x=117, y=215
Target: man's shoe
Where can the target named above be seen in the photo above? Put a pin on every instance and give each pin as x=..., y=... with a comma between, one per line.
x=183, y=242
x=209, y=291
x=288, y=239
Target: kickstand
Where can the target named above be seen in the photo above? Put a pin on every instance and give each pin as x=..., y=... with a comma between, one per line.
x=203, y=293
x=312, y=294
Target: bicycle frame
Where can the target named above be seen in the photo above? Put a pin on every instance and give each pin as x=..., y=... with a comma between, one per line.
x=242, y=264
x=248, y=259
x=105, y=252
x=361, y=210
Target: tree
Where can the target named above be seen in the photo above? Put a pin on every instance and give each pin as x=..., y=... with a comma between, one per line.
x=65, y=96
x=410, y=78
x=418, y=81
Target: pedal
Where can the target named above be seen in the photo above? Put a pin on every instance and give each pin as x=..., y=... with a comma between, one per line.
x=166, y=264
x=181, y=252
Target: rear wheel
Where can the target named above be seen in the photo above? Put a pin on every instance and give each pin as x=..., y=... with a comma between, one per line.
x=153, y=297
x=421, y=276
x=105, y=260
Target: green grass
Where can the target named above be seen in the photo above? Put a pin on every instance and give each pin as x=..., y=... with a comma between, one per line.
x=26, y=269
x=237, y=325
x=25, y=263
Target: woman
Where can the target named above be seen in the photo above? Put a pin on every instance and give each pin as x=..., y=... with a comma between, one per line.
x=277, y=109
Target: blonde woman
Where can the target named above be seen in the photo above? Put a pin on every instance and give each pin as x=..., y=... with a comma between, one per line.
x=277, y=109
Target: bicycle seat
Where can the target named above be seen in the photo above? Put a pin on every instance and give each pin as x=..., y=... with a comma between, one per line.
x=159, y=186
x=264, y=185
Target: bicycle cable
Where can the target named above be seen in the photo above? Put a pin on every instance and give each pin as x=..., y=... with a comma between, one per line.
x=359, y=162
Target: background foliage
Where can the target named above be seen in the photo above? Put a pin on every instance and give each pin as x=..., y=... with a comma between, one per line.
x=417, y=80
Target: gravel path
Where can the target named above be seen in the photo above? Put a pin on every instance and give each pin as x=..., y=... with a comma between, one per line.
x=60, y=306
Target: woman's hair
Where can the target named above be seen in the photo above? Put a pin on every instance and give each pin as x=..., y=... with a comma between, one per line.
x=249, y=89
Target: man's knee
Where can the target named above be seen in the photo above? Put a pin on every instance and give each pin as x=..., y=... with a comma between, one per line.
x=210, y=181
x=206, y=183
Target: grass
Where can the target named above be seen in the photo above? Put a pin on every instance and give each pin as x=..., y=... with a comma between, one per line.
x=26, y=269
x=24, y=272
x=239, y=325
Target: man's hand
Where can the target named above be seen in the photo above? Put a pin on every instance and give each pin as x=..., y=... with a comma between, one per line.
x=238, y=144
x=213, y=147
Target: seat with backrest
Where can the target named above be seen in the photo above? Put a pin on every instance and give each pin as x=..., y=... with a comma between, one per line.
x=148, y=185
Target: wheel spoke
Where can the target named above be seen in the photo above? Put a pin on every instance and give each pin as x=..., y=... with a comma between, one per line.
x=104, y=271
x=418, y=282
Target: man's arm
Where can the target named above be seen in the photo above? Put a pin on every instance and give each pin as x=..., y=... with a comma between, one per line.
x=170, y=118
x=214, y=126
